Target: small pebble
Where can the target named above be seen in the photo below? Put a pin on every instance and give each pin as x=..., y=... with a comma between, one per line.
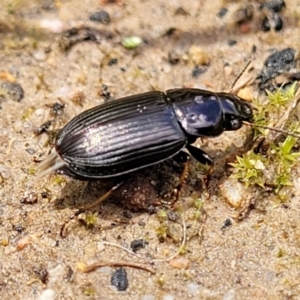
x=4, y=172
x=197, y=71
x=198, y=56
x=193, y=289
x=29, y=198
x=23, y=242
x=42, y=273
x=13, y=90
x=138, y=244
x=246, y=93
x=40, y=55
x=180, y=262
x=231, y=42
x=230, y=295
x=100, y=16
x=234, y=192
x=173, y=57
x=226, y=224
x=47, y=294
x=119, y=279
x=274, y=5
x=148, y=297
x=222, y=12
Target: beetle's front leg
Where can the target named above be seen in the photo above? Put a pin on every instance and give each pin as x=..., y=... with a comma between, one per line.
x=201, y=156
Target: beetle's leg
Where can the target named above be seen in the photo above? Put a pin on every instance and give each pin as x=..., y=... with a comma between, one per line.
x=91, y=205
x=181, y=157
x=201, y=156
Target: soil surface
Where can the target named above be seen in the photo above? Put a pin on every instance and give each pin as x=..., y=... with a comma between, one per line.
x=53, y=53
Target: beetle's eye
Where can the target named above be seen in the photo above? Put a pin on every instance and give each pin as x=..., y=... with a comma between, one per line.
x=235, y=124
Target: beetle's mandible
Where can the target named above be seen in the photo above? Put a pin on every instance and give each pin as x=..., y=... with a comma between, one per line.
x=134, y=132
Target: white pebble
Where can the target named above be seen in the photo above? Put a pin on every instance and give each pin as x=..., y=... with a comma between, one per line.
x=47, y=295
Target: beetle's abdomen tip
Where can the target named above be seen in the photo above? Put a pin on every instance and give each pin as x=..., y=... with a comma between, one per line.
x=50, y=164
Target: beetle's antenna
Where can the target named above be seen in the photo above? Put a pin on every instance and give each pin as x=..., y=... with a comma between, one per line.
x=285, y=132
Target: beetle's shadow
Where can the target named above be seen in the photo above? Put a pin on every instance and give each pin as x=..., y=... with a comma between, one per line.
x=140, y=192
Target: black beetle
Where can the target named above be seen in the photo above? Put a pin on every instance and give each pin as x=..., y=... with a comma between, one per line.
x=134, y=132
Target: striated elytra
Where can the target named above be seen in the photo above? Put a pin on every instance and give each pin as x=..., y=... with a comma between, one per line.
x=134, y=132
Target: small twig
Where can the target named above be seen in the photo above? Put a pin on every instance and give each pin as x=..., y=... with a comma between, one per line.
x=239, y=83
x=97, y=265
x=123, y=248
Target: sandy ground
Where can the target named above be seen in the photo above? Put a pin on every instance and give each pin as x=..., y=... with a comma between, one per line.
x=257, y=258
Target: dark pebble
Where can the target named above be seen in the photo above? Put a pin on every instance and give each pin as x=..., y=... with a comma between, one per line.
x=30, y=151
x=113, y=61
x=280, y=60
x=197, y=71
x=13, y=90
x=173, y=216
x=100, y=16
x=277, y=63
x=138, y=244
x=274, y=22
x=126, y=214
x=44, y=128
x=119, y=279
x=181, y=11
x=223, y=11
x=42, y=273
x=232, y=42
x=58, y=109
x=274, y=5
x=18, y=228
x=173, y=58
x=45, y=195
x=104, y=92
x=30, y=198
x=226, y=224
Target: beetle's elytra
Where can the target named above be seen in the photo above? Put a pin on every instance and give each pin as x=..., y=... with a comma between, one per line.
x=134, y=132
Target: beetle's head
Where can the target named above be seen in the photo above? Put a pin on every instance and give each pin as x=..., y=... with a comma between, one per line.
x=235, y=110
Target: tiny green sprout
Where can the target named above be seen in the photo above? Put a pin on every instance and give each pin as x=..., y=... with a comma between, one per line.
x=285, y=159
x=183, y=250
x=131, y=42
x=12, y=7
x=198, y=203
x=197, y=215
x=31, y=170
x=162, y=215
x=282, y=96
x=59, y=180
x=249, y=169
x=90, y=219
x=162, y=232
x=280, y=253
x=89, y=291
x=28, y=113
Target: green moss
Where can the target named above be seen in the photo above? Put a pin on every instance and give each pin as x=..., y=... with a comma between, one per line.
x=274, y=167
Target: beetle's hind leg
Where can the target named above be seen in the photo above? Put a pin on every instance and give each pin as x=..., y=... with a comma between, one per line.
x=98, y=201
